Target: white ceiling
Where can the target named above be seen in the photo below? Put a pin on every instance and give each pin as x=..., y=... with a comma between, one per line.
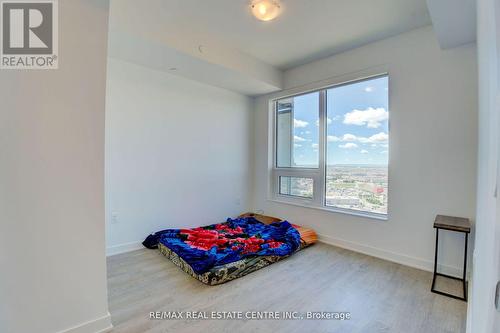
x=305, y=31
x=219, y=42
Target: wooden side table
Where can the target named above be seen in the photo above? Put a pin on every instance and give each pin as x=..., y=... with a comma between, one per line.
x=457, y=224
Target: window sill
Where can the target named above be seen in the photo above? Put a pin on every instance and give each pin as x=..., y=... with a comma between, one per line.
x=378, y=217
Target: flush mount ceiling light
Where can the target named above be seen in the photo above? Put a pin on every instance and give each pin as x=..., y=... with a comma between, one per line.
x=265, y=10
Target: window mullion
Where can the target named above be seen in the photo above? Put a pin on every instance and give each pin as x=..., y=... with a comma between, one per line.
x=319, y=185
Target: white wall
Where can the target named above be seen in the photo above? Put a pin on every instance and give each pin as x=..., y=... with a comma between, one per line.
x=481, y=314
x=178, y=153
x=52, y=252
x=432, y=168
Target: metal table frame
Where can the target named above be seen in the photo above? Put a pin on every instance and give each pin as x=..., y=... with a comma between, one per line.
x=436, y=273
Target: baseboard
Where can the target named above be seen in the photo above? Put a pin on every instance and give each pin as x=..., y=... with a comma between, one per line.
x=402, y=259
x=99, y=325
x=123, y=248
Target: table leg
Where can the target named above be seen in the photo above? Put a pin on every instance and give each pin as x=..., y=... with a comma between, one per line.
x=435, y=260
x=465, y=266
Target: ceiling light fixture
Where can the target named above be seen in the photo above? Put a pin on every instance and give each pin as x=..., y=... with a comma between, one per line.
x=265, y=10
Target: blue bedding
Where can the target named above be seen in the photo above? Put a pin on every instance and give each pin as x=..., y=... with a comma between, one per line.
x=206, y=247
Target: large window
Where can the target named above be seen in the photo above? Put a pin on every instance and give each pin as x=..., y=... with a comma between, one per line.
x=331, y=148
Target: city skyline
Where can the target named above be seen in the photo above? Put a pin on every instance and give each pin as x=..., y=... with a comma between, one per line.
x=362, y=188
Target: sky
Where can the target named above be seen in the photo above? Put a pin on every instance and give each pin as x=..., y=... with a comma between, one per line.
x=357, y=124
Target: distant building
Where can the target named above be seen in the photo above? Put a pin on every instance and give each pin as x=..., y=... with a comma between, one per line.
x=342, y=201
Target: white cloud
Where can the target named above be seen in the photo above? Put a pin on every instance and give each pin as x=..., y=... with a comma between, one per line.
x=364, y=151
x=297, y=138
x=315, y=146
x=296, y=145
x=333, y=138
x=299, y=123
x=384, y=152
x=369, y=89
x=349, y=145
x=349, y=137
x=370, y=117
x=375, y=138
x=345, y=138
x=379, y=138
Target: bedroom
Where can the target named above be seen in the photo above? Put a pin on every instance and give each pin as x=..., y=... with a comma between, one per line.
x=317, y=143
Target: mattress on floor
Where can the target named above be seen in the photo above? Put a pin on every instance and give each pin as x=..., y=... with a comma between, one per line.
x=224, y=273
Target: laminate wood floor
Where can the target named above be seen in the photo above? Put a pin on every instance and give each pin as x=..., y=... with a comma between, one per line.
x=381, y=296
